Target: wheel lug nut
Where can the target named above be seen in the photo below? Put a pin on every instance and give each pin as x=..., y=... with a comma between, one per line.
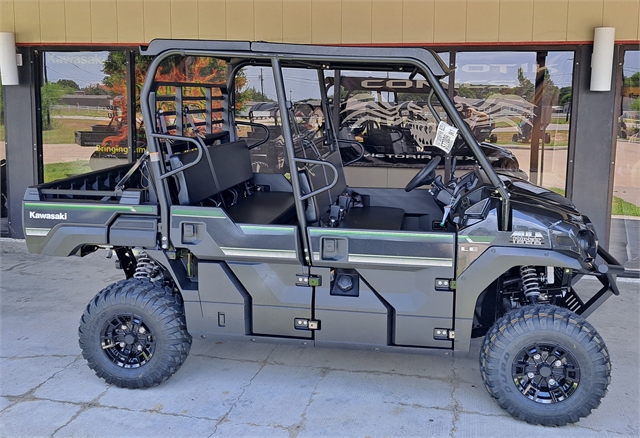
x=122, y=344
x=557, y=364
x=536, y=356
x=552, y=382
x=530, y=375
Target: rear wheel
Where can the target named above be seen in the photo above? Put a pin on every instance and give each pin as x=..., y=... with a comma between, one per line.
x=133, y=333
x=545, y=365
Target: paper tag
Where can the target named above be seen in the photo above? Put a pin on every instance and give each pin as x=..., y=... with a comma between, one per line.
x=445, y=137
x=154, y=156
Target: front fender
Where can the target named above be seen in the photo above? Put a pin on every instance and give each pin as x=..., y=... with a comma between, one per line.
x=485, y=269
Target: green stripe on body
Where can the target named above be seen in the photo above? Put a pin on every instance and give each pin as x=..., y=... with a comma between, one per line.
x=259, y=252
x=206, y=213
x=68, y=206
x=267, y=229
x=400, y=260
x=319, y=232
x=476, y=239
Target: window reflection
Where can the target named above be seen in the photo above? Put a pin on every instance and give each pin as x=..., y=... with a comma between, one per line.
x=258, y=120
x=84, y=112
x=496, y=93
x=3, y=167
x=625, y=221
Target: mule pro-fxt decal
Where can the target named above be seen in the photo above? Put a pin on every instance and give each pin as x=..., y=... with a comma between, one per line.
x=534, y=238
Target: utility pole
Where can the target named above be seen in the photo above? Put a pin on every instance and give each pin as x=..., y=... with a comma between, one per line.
x=46, y=81
x=261, y=83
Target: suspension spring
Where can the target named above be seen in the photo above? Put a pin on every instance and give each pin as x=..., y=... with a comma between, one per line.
x=530, y=283
x=146, y=267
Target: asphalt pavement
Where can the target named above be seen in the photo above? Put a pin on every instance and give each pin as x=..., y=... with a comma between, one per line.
x=249, y=389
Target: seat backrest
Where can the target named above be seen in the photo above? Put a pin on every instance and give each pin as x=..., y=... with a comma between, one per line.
x=319, y=176
x=224, y=166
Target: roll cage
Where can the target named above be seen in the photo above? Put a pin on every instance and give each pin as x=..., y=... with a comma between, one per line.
x=278, y=56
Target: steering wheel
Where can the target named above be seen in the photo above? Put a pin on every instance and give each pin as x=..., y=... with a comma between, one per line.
x=425, y=176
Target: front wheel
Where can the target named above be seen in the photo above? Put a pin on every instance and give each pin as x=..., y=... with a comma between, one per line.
x=545, y=365
x=133, y=333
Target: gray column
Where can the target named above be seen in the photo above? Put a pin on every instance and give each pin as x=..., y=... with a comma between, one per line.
x=591, y=162
x=22, y=146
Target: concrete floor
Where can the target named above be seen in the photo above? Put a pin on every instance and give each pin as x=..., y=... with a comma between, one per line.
x=246, y=389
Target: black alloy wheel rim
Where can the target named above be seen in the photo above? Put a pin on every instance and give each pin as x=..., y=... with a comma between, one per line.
x=546, y=373
x=127, y=341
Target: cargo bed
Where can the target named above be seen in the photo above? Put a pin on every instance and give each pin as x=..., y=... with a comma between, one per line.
x=77, y=214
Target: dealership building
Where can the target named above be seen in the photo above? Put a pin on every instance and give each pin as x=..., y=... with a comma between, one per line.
x=556, y=83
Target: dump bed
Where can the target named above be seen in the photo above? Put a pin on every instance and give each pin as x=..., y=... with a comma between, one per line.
x=73, y=216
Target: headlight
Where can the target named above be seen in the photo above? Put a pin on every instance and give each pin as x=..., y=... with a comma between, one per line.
x=583, y=243
x=588, y=244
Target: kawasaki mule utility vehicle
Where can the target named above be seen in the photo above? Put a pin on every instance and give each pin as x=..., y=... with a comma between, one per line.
x=210, y=245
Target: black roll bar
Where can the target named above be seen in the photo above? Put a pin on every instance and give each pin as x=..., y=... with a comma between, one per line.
x=321, y=163
x=354, y=142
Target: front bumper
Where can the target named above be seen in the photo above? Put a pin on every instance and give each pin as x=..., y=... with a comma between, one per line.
x=605, y=272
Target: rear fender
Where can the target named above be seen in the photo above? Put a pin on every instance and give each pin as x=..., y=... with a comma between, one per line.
x=64, y=239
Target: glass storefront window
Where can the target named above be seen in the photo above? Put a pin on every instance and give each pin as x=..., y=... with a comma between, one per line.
x=392, y=114
x=497, y=93
x=3, y=163
x=84, y=112
x=624, y=242
x=258, y=120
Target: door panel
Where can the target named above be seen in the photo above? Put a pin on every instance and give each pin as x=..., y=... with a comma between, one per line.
x=210, y=234
x=401, y=269
x=363, y=319
x=418, y=308
x=276, y=300
x=348, y=248
x=265, y=259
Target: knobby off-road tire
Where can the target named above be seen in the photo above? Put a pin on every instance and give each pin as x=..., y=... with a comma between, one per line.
x=133, y=333
x=545, y=365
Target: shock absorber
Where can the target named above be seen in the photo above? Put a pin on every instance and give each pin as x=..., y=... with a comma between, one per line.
x=146, y=267
x=530, y=283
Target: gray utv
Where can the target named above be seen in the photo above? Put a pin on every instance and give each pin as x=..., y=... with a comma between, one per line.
x=212, y=246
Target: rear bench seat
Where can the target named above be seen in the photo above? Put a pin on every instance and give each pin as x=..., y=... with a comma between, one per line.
x=227, y=165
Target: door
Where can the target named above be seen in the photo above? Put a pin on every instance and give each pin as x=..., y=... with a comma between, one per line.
x=262, y=263
x=408, y=273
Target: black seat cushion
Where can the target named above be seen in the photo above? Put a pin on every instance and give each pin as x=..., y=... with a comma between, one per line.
x=373, y=218
x=264, y=208
x=230, y=165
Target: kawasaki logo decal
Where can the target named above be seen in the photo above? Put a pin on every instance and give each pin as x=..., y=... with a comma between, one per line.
x=58, y=216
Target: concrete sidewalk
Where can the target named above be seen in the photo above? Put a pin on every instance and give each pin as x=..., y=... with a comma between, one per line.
x=247, y=389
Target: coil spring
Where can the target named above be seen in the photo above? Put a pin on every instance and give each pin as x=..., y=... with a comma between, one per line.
x=530, y=283
x=146, y=267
